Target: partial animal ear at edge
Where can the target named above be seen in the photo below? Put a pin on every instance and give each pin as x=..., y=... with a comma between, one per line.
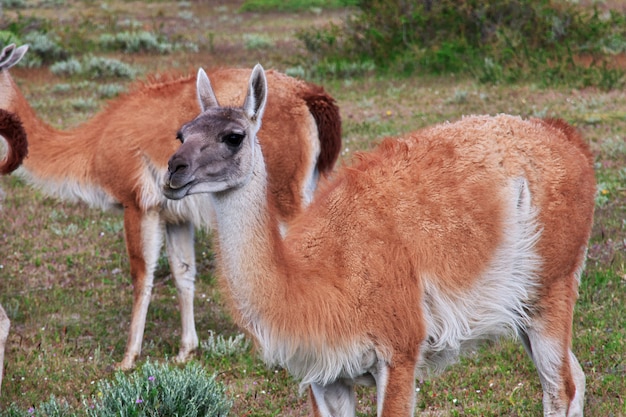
x=11, y=55
x=254, y=105
x=206, y=96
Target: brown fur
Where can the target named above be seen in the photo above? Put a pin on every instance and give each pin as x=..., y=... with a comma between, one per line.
x=436, y=239
x=135, y=134
x=454, y=215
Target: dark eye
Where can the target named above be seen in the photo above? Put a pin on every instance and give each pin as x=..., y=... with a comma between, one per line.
x=233, y=139
x=179, y=136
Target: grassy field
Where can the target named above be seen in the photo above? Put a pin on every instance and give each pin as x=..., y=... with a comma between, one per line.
x=64, y=276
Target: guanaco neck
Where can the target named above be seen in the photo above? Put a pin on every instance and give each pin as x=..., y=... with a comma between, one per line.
x=247, y=232
x=59, y=162
x=295, y=315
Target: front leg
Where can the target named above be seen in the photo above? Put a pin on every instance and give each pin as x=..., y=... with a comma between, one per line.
x=144, y=237
x=333, y=400
x=181, y=254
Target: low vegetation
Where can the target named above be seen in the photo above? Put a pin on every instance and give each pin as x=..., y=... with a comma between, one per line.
x=64, y=278
x=497, y=41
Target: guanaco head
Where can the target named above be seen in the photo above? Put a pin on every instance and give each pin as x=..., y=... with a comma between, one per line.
x=218, y=146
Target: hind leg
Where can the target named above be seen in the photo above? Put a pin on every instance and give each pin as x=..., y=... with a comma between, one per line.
x=562, y=377
x=547, y=341
x=333, y=400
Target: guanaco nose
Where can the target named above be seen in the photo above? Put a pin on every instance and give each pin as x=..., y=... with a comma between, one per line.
x=177, y=165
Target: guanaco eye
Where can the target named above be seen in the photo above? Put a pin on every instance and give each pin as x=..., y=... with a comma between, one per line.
x=233, y=139
x=179, y=136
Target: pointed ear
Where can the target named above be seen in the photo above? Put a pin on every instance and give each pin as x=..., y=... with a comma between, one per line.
x=206, y=96
x=11, y=55
x=257, y=94
x=6, y=52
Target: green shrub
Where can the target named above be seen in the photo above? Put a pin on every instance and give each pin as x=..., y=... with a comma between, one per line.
x=254, y=41
x=68, y=68
x=100, y=67
x=13, y=4
x=160, y=390
x=109, y=90
x=43, y=49
x=51, y=408
x=495, y=41
x=155, y=390
x=94, y=67
x=80, y=104
x=218, y=345
x=132, y=42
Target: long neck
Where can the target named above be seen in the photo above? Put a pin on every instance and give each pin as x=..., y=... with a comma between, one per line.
x=247, y=234
x=59, y=162
x=12, y=99
x=295, y=312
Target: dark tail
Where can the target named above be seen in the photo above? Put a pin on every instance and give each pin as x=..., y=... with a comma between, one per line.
x=13, y=132
x=326, y=114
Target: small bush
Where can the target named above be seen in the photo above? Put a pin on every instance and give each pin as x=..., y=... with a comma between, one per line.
x=254, y=41
x=110, y=90
x=67, y=68
x=94, y=67
x=43, y=49
x=153, y=391
x=81, y=104
x=51, y=408
x=12, y=4
x=160, y=390
x=133, y=42
x=219, y=346
x=99, y=67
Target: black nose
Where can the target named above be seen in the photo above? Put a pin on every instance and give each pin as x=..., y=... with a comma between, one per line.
x=177, y=165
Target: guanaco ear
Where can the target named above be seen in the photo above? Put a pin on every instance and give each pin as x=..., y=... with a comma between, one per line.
x=254, y=105
x=11, y=55
x=206, y=96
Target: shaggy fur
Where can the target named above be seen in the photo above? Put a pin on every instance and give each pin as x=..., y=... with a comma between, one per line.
x=431, y=242
x=118, y=159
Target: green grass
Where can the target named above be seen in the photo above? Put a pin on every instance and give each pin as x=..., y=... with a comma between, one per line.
x=500, y=41
x=64, y=277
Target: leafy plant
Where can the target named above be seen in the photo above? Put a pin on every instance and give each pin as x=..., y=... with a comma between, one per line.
x=160, y=390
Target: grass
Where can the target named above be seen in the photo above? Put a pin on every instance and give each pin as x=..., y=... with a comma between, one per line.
x=500, y=41
x=64, y=277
